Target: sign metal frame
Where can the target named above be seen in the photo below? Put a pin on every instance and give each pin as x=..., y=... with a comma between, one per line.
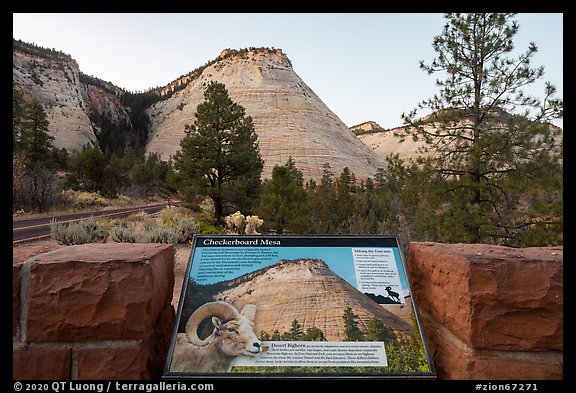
x=227, y=258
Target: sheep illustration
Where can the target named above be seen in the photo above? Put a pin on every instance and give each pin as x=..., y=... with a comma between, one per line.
x=233, y=336
x=394, y=296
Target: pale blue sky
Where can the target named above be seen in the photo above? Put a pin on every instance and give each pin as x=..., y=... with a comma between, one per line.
x=338, y=259
x=363, y=66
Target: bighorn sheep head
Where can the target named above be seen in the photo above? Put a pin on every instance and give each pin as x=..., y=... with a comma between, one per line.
x=233, y=330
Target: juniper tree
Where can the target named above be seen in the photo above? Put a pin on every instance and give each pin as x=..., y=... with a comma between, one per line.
x=219, y=155
x=496, y=158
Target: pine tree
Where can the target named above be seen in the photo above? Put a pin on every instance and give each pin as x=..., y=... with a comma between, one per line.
x=17, y=117
x=295, y=332
x=276, y=336
x=219, y=155
x=34, y=186
x=313, y=334
x=282, y=202
x=344, y=202
x=377, y=331
x=491, y=143
x=351, y=330
x=321, y=203
x=35, y=142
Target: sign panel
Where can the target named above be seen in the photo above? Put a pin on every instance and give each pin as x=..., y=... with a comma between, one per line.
x=297, y=305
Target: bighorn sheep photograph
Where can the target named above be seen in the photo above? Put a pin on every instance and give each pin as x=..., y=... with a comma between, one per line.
x=233, y=336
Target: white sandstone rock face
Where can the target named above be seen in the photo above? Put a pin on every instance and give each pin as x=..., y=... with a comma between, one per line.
x=56, y=84
x=385, y=143
x=289, y=118
x=367, y=126
x=75, y=110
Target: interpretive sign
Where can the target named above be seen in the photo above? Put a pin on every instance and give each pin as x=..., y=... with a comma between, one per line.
x=297, y=305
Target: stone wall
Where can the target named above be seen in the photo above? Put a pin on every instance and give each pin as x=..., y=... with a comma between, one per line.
x=490, y=312
x=95, y=311
x=103, y=311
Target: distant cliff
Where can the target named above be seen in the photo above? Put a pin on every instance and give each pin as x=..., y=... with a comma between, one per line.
x=82, y=110
x=385, y=142
x=366, y=127
x=289, y=118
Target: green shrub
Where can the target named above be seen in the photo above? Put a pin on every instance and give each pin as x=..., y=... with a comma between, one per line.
x=87, y=230
x=149, y=223
x=122, y=234
x=207, y=229
x=185, y=228
x=160, y=235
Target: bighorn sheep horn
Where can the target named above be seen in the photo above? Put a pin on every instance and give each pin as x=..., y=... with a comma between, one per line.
x=218, y=309
x=249, y=311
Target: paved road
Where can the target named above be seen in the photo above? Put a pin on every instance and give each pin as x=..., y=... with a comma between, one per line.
x=29, y=228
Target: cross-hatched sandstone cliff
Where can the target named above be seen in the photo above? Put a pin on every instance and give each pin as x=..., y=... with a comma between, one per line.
x=289, y=118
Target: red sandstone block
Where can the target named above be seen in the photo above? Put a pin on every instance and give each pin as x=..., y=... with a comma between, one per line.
x=129, y=362
x=96, y=292
x=41, y=364
x=113, y=363
x=26, y=251
x=492, y=297
x=455, y=360
x=19, y=255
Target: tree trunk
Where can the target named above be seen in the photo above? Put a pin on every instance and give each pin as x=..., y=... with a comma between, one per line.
x=218, y=210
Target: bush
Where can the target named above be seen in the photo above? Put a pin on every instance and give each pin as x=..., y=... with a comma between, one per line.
x=19, y=213
x=84, y=231
x=160, y=235
x=167, y=215
x=185, y=228
x=207, y=229
x=148, y=223
x=84, y=199
x=122, y=234
x=235, y=222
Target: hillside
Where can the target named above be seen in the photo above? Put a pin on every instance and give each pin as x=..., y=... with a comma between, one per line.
x=289, y=118
x=386, y=142
x=82, y=110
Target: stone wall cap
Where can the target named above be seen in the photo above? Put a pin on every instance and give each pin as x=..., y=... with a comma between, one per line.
x=22, y=253
x=103, y=253
x=484, y=253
